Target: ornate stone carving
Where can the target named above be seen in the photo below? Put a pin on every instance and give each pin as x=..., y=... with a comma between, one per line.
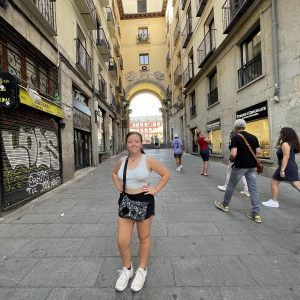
x=158, y=75
x=130, y=76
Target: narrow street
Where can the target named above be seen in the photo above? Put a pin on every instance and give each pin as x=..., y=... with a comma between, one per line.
x=62, y=245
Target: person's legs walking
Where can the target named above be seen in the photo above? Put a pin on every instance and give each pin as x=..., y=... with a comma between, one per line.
x=296, y=185
x=228, y=173
x=245, y=191
x=274, y=191
x=252, y=185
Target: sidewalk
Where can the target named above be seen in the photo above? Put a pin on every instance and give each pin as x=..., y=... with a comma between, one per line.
x=63, y=244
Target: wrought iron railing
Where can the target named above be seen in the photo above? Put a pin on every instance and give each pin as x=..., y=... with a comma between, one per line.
x=143, y=38
x=83, y=58
x=177, y=74
x=250, y=71
x=212, y=97
x=48, y=9
x=101, y=38
x=231, y=10
x=200, y=4
x=30, y=73
x=207, y=46
x=188, y=74
x=187, y=32
x=183, y=3
x=92, y=8
x=102, y=86
x=109, y=15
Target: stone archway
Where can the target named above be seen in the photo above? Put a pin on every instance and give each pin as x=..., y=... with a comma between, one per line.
x=156, y=88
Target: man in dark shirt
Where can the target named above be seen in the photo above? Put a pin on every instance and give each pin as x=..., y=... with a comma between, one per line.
x=244, y=165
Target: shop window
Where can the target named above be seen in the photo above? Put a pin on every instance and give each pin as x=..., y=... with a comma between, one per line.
x=144, y=59
x=193, y=104
x=250, y=58
x=215, y=136
x=141, y=6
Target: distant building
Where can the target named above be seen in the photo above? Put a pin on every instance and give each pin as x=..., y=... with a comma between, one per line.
x=148, y=127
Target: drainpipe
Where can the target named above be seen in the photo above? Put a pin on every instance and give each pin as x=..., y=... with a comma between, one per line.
x=275, y=51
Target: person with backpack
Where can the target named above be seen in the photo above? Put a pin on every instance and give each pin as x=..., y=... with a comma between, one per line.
x=177, y=146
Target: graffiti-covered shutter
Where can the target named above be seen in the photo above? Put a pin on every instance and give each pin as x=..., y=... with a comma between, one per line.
x=30, y=147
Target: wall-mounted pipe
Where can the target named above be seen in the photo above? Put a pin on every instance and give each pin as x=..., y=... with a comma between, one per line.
x=275, y=51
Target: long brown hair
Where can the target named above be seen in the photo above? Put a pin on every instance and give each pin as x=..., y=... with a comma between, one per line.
x=289, y=136
x=138, y=134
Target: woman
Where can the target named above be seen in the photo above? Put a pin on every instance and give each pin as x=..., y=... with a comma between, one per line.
x=137, y=188
x=288, y=145
x=203, y=142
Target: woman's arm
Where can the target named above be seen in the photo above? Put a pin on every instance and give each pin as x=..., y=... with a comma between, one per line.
x=161, y=170
x=115, y=177
x=286, y=148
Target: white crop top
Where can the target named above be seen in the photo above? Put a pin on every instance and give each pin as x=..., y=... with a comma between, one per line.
x=136, y=177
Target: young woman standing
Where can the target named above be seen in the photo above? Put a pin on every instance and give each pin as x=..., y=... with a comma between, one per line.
x=137, y=188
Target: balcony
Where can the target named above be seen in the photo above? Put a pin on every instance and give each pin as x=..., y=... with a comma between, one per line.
x=110, y=21
x=187, y=33
x=121, y=63
x=250, y=71
x=102, y=87
x=232, y=12
x=183, y=3
x=117, y=48
x=88, y=11
x=188, y=74
x=112, y=68
x=142, y=38
x=212, y=97
x=83, y=60
x=113, y=103
x=168, y=59
x=200, y=4
x=207, y=47
x=176, y=32
x=44, y=10
x=178, y=75
x=102, y=44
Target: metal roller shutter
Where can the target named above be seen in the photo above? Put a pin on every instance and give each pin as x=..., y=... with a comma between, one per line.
x=30, y=154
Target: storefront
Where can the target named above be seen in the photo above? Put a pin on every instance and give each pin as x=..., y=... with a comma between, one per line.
x=30, y=157
x=215, y=135
x=100, y=115
x=257, y=120
x=82, y=134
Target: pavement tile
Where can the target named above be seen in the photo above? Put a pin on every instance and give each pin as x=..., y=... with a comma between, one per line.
x=212, y=271
x=63, y=272
x=9, y=247
x=92, y=230
x=24, y=293
x=192, y=229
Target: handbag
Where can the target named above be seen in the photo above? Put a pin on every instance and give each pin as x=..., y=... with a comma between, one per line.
x=128, y=208
x=259, y=165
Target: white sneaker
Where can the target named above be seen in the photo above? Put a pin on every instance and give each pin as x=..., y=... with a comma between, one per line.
x=139, y=280
x=178, y=169
x=245, y=193
x=222, y=188
x=271, y=203
x=124, y=276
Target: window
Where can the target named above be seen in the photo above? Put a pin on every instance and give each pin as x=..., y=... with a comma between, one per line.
x=213, y=89
x=250, y=58
x=193, y=104
x=144, y=59
x=143, y=33
x=141, y=6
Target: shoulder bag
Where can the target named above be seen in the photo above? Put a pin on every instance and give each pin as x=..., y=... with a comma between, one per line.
x=259, y=165
x=128, y=208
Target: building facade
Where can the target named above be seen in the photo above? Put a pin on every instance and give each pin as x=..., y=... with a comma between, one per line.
x=239, y=60
x=61, y=93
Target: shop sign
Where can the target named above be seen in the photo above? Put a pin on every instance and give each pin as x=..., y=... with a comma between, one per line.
x=254, y=112
x=215, y=124
x=9, y=89
x=81, y=120
x=32, y=99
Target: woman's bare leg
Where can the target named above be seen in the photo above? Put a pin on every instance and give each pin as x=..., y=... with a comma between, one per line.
x=274, y=189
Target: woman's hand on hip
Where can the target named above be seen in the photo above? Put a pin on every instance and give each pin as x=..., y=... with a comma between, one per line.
x=149, y=190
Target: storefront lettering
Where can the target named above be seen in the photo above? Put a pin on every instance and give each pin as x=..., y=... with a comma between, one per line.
x=31, y=148
x=254, y=112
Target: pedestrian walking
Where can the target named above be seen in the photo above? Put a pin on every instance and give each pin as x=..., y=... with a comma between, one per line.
x=156, y=142
x=177, y=146
x=287, y=171
x=244, y=165
x=203, y=142
x=223, y=188
x=136, y=200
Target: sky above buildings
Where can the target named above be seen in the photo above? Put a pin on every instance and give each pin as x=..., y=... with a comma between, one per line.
x=145, y=104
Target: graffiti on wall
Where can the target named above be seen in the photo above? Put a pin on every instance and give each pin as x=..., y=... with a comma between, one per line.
x=31, y=160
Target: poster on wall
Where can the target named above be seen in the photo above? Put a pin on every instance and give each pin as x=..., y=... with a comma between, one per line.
x=9, y=90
